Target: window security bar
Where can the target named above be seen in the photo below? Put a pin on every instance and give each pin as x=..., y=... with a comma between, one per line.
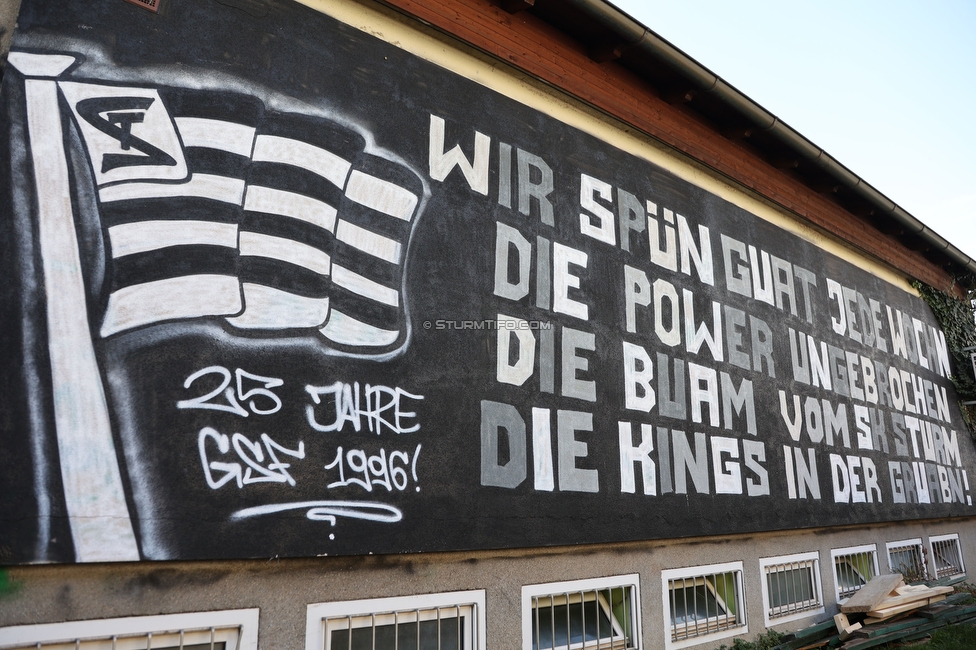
x=704, y=604
x=435, y=628
x=158, y=640
x=598, y=619
x=907, y=560
x=792, y=588
x=948, y=558
x=853, y=571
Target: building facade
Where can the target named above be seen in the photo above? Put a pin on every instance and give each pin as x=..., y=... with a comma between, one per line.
x=475, y=325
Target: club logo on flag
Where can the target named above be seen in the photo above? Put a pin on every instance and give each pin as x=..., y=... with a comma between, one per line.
x=128, y=132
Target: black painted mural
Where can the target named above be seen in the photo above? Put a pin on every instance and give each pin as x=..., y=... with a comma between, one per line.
x=274, y=287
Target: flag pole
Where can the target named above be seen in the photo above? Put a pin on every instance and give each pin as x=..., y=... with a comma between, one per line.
x=101, y=526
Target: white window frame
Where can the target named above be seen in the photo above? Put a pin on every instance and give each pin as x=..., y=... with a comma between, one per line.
x=852, y=550
x=238, y=628
x=905, y=543
x=937, y=539
x=557, y=590
x=382, y=611
x=796, y=561
x=695, y=573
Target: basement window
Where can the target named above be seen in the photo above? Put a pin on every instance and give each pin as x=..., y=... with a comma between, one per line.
x=947, y=556
x=221, y=630
x=853, y=568
x=601, y=613
x=445, y=621
x=791, y=587
x=907, y=557
x=704, y=603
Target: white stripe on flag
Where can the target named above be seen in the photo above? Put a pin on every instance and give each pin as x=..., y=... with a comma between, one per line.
x=189, y=296
x=346, y=330
x=368, y=241
x=143, y=236
x=203, y=186
x=289, y=204
x=380, y=195
x=271, y=148
x=270, y=308
x=216, y=134
x=287, y=250
x=364, y=286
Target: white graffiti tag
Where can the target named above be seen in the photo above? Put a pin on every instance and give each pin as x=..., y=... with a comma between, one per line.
x=259, y=465
x=329, y=511
x=380, y=406
x=379, y=469
x=260, y=400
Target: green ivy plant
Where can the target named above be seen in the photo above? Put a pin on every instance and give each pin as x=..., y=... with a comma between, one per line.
x=956, y=318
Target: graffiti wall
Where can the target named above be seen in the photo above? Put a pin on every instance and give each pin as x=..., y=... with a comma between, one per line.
x=275, y=287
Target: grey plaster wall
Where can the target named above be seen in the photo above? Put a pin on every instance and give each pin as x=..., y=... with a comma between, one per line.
x=283, y=588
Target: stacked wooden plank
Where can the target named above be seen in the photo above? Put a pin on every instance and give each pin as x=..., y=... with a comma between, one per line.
x=886, y=597
x=884, y=611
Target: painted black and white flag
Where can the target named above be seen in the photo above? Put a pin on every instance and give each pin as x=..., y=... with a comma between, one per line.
x=212, y=206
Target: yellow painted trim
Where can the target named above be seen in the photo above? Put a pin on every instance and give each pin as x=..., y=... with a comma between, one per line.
x=499, y=77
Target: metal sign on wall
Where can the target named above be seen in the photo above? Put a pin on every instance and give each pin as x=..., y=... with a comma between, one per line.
x=274, y=287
